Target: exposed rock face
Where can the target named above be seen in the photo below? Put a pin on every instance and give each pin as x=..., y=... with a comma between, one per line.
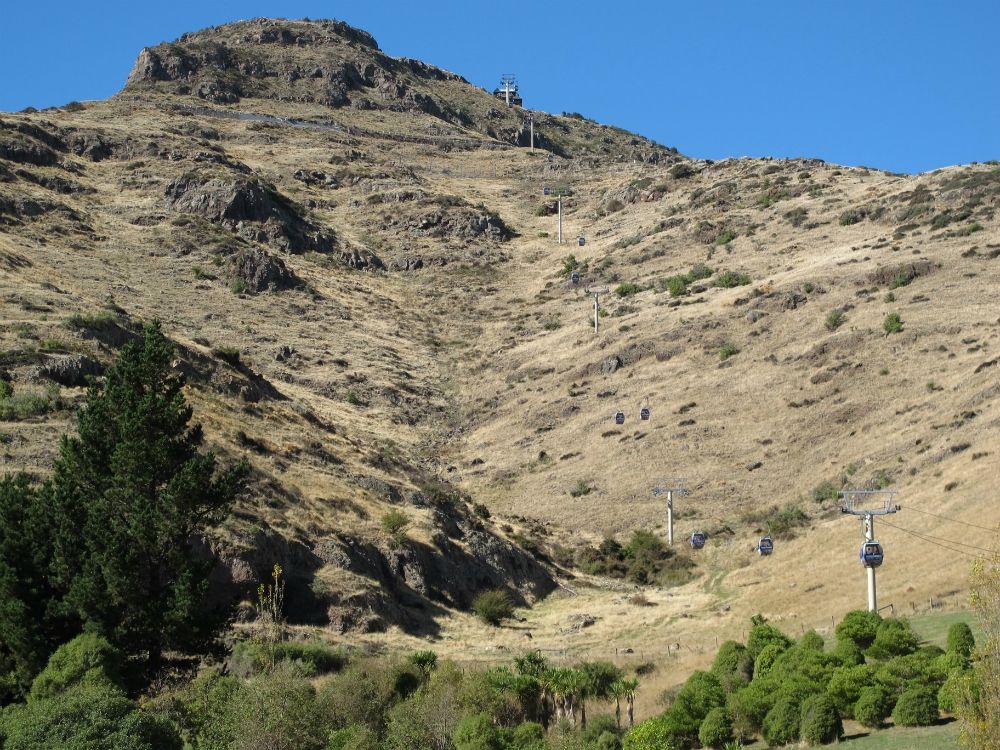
x=252, y=209
x=259, y=271
x=70, y=371
x=407, y=580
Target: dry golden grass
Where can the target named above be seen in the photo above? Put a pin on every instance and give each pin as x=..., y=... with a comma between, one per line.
x=486, y=379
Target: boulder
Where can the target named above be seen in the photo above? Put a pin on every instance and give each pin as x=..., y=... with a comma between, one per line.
x=259, y=271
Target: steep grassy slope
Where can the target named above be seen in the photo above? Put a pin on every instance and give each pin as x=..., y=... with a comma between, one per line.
x=361, y=273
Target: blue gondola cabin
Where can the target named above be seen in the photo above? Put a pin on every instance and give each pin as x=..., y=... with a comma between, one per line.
x=872, y=554
x=698, y=539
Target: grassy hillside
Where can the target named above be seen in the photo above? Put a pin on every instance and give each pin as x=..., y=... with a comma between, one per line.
x=373, y=308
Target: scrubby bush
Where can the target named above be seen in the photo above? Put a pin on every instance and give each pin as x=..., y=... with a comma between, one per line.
x=730, y=279
x=893, y=637
x=782, y=723
x=953, y=691
x=716, y=730
x=873, y=707
x=916, y=707
x=86, y=660
x=677, y=286
x=811, y=641
x=846, y=684
x=820, y=722
x=834, y=319
x=652, y=734
x=766, y=658
x=847, y=653
x=892, y=323
x=733, y=666
x=728, y=350
x=250, y=657
x=394, y=523
x=761, y=635
x=627, y=289
x=961, y=640
x=700, y=694
x=86, y=717
x=859, y=626
x=493, y=607
x=748, y=706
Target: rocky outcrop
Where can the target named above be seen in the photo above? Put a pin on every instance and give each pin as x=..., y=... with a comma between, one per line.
x=71, y=371
x=409, y=583
x=258, y=271
x=251, y=208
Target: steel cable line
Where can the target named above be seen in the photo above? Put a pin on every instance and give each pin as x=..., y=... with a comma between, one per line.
x=938, y=542
x=994, y=529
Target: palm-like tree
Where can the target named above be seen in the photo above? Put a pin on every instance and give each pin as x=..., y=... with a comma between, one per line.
x=617, y=691
x=628, y=688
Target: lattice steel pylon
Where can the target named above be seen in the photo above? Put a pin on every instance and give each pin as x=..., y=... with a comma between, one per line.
x=866, y=504
x=670, y=486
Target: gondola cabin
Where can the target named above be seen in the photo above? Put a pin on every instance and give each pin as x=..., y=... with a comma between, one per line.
x=644, y=414
x=581, y=241
x=872, y=554
x=575, y=277
x=546, y=191
x=765, y=546
x=698, y=539
x=619, y=417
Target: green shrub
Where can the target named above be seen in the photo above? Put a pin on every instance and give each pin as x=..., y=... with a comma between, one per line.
x=852, y=216
x=762, y=635
x=569, y=264
x=825, y=490
x=952, y=693
x=834, y=320
x=677, y=286
x=27, y=404
x=699, y=694
x=873, y=707
x=970, y=229
x=681, y=729
x=846, y=684
x=916, y=707
x=811, y=641
x=87, y=717
x=820, y=722
x=652, y=734
x=238, y=286
x=100, y=321
x=476, y=732
x=87, y=659
x=859, y=626
x=395, y=523
x=766, y=658
x=493, y=607
x=280, y=706
x=201, y=274
x=716, y=729
x=530, y=735
x=782, y=723
x=847, y=653
x=903, y=278
x=250, y=658
x=681, y=171
x=733, y=666
x=728, y=350
x=748, y=706
x=354, y=737
x=961, y=640
x=725, y=237
x=730, y=279
x=627, y=289
x=892, y=323
x=893, y=637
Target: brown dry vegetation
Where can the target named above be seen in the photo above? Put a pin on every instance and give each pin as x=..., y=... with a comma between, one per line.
x=461, y=355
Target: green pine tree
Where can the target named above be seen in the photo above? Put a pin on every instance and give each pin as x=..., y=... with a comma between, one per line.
x=112, y=534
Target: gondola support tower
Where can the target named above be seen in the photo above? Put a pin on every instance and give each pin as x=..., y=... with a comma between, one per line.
x=867, y=504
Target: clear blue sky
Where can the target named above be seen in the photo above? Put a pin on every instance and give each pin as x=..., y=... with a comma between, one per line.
x=904, y=86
